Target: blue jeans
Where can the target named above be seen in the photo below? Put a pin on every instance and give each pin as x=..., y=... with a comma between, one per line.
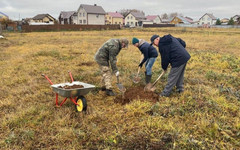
x=149, y=65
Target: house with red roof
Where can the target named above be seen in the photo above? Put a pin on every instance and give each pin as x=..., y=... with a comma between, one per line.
x=114, y=18
x=154, y=18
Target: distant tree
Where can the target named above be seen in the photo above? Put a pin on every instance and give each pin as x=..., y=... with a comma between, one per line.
x=164, y=16
x=231, y=22
x=218, y=22
x=172, y=15
x=125, y=12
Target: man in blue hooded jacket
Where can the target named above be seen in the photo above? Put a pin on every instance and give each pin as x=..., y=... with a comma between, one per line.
x=150, y=54
x=172, y=52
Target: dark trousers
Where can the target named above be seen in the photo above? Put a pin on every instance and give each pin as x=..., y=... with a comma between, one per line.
x=175, y=77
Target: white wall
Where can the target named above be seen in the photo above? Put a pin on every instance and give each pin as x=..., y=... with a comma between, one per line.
x=96, y=19
x=82, y=16
x=207, y=20
x=130, y=19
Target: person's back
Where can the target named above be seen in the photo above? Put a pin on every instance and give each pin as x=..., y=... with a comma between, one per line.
x=102, y=55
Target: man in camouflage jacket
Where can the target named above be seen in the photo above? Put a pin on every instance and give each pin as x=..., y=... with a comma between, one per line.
x=106, y=56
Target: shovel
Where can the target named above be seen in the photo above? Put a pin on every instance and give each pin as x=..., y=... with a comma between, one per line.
x=120, y=86
x=151, y=87
x=137, y=78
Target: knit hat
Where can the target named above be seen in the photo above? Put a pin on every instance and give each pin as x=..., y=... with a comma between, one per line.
x=153, y=38
x=135, y=40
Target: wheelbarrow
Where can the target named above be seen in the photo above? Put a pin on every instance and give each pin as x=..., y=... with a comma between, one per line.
x=75, y=91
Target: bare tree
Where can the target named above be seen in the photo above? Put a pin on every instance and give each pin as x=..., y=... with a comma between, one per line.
x=171, y=15
x=125, y=12
x=164, y=16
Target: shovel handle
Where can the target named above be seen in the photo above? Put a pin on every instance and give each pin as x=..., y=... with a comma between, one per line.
x=118, y=79
x=158, y=78
x=139, y=68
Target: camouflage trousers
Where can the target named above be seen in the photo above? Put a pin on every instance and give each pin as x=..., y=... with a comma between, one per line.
x=106, y=76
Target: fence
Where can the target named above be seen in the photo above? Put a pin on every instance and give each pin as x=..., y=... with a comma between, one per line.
x=157, y=25
x=58, y=27
x=207, y=26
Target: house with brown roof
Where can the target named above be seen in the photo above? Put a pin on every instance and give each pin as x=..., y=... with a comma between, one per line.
x=154, y=18
x=3, y=16
x=91, y=14
x=179, y=20
x=42, y=19
x=207, y=19
x=114, y=18
x=135, y=18
x=67, y=17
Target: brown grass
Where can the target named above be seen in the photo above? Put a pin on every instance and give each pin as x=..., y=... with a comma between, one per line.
x=206, y=116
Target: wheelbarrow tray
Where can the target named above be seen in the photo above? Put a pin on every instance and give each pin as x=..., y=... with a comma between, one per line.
x=72, y=92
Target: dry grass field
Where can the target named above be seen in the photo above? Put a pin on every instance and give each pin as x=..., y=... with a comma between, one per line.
x=205, y=116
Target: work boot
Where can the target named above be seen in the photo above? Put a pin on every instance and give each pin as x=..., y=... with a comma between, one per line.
x=103, y=88
x=148, y=78
x=109, y=92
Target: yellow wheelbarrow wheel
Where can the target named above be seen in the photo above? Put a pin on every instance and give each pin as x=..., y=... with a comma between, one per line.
x=82, y=104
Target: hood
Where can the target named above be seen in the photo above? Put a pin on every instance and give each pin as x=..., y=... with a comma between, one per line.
x=165, y=40
x=141, y=41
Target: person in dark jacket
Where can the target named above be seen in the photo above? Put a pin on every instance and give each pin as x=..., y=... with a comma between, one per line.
x=150, y=54
x=172, y=52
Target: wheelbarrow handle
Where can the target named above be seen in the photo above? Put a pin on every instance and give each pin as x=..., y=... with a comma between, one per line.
x=47, y=79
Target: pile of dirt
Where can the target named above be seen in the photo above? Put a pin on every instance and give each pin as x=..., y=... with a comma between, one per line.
x=136, y=93
x=71, y=87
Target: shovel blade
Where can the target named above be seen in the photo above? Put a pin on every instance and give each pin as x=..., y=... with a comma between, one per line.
x=121, y=87
x=136, y=79
x=149, y=88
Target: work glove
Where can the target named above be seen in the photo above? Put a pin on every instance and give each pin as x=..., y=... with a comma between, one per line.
x=117, y=73
x=140, y=65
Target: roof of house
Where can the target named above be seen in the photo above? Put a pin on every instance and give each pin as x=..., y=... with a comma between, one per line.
x=3, y=14
x=93, y=9
x=138, y=15
x=184, y=20
x=115, y=14
x=152, y=17
x=41, y=16
x=67, y=14
x=210, y=15
x=190, y=20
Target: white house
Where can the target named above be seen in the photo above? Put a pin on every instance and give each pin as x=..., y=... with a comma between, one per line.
x=155, y=19
x=90, y=15
x=135, y=19
x=207, y=19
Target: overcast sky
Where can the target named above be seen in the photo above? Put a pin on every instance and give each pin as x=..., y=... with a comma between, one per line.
x=18, y=9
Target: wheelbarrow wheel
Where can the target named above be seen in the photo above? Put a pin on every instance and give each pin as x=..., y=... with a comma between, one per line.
x=82, y=104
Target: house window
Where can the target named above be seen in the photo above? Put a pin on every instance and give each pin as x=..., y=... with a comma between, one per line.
x=80, y=21
x=119, y=22
x=115, y=22
x=83, y=14
x=131, y=17
x=131, y=23
x=128, y=17
x=84, y=21
x=80, y=14
x=97, y=16
x=127, y=22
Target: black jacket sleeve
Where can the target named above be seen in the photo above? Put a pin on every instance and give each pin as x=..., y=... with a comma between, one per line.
x=145, y=53
x=165, y=57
